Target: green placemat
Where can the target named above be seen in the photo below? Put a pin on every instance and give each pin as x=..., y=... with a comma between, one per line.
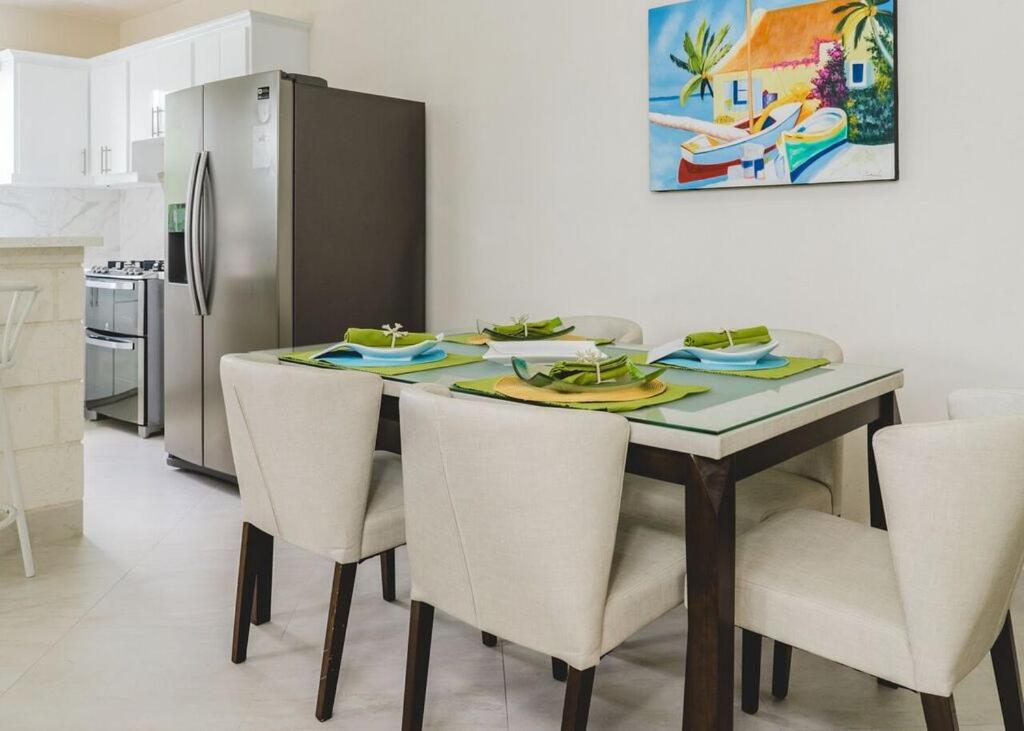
x=485, y=387
x=466, y=339
x=453, y=359
x=795, y=366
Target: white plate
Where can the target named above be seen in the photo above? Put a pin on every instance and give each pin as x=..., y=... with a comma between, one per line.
x=535, y=351
x=406, y=353
x=734, y=355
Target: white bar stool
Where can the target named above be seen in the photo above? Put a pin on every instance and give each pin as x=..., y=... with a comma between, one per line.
x=23, y=296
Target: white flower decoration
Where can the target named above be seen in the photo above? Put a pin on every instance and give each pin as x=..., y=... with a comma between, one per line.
x=523, y=320
x=592, y=356
x=395, y=331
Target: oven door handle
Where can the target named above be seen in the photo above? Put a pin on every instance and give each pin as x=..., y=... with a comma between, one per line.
x=190, y=215
x=108, y=284
x=109, y=343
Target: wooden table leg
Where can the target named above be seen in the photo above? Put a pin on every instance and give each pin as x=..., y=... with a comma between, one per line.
x=889, y=416
x=711, y=589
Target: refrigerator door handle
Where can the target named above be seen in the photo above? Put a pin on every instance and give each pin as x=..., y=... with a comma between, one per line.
x=199, y=287
x=190, y=275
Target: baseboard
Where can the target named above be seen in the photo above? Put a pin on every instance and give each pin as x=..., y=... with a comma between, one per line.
x=46, y=525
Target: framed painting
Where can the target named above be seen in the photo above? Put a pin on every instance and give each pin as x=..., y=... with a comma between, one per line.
x=746, y=93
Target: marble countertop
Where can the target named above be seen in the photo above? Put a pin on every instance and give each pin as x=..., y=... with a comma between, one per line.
x=41, y=242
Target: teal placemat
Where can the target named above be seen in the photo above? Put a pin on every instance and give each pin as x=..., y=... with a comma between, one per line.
x=795, y=366
x=452, y=359
x=674, y=392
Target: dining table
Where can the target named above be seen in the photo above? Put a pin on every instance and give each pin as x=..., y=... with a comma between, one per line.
x=705, y=443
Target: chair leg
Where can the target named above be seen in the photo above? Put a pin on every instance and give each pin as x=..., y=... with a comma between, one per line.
x=387, y=575
x=488, y=639
x=334, y=641
x=1004, y=663
x=751, y=670
x=251, y=554
x=577, y=699
x=781, y=662
x=939, y=713
x=264, y=566
x=559, y=670
x=14, y=488
x=421, y=627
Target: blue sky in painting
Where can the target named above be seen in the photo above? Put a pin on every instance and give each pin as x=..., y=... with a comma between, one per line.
x=668, y=23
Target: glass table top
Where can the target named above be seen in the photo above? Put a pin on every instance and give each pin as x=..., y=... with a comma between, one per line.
x=733, y=401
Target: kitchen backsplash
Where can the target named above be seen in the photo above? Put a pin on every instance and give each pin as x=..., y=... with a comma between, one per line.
x=130, y=220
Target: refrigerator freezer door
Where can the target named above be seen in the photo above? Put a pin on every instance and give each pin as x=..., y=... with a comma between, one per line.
x=239, y=244
x=183, y=329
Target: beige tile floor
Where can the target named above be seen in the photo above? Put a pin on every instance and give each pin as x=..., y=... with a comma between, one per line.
x=129, y=627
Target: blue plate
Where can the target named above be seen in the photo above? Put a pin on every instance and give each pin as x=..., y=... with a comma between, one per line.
x=354, y=360
x=765, y=364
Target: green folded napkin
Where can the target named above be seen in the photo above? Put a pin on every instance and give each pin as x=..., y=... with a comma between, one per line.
x=585, y=374
x=716, y=340
x=380, y=339
x=540, y=327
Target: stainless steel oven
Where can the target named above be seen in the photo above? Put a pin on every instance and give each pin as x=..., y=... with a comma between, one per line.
x=124, y=344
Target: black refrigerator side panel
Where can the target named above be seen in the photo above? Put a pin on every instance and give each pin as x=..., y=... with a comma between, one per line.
x=359, y=251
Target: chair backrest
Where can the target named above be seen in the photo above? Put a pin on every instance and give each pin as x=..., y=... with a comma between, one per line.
x=976, y=403
x=22, y=296
x=623, y=331
x=303, y=442
x=511, y=515
x=824, y=463
x=954, y=504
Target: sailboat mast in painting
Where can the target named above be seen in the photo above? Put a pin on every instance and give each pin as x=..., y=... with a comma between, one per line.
x=772, y=92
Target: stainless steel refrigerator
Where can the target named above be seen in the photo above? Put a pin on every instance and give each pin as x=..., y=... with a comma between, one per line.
x=294, y=211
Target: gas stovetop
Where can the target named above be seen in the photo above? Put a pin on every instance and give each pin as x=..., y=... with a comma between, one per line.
x=141, y=269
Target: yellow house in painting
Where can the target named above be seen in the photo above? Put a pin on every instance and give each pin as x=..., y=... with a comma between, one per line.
x=787, y=47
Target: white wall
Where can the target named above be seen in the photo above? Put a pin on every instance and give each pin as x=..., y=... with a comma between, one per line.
x=538, y=200
x=48, y=32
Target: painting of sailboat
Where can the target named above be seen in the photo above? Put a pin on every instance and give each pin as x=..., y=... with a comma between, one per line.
x=807, y=88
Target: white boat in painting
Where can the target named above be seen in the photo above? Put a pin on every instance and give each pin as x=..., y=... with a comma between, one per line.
x=704, y=157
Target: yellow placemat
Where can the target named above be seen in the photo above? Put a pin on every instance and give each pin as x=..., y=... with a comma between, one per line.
x=515, y=388
x=481, y=339
x=663, y=394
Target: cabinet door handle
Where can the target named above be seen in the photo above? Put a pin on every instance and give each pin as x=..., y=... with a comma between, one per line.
x=85, y=155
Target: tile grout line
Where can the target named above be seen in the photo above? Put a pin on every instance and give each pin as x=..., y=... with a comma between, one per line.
x=103, y=596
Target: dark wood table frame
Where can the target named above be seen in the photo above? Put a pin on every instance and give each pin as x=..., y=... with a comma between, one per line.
x=711, y=534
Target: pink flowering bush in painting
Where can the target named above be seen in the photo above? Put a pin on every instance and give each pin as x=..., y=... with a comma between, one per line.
x=830, y=83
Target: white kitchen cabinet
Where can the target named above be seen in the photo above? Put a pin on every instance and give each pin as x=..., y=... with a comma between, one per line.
x=71, y=122
x=222, y=54
x=44, y=119
x=155, y=73
x=108, y=118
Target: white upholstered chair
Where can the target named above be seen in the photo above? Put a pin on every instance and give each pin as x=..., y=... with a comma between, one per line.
x=521, y=536
x=619, y=329
x=303, y=443
x=813, y=480
x=976, y=403
x=22, y=296
x=921, y=605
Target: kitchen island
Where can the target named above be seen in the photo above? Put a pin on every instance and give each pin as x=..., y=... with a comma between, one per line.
x=44, y=389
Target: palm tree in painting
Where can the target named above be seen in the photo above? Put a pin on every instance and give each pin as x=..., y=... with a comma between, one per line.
x=862, y=14
x=703, y=53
